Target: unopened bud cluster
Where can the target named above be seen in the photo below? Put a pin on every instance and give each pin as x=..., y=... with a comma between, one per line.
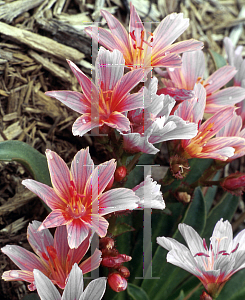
x=113, y=260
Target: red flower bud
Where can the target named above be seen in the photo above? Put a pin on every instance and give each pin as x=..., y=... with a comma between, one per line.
x=124, y=271
x=113, y=262
x=106, y=243
x=120, y=173
x=234, y=183
x=117, y=282
x=205, y=296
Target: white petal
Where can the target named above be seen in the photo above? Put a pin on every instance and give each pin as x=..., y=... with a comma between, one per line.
x=45, y=287
x=95, y=289
x=74, y=287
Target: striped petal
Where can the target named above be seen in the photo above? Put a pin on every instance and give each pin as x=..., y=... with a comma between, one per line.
x=56, y=218
x=92, y=263
x=77, y=231
x=59, y=173
x=82, y=167
x=45, y=287
x=116, y=200
x=46, y=193
x=72, y=99
x=24, y=259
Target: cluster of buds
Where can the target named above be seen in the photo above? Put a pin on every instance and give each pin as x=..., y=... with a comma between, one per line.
x=234, y=183
x=113, y=260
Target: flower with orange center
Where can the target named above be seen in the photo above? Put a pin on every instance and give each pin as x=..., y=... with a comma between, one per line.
x=191, y=72
x=77, y=199
x=54, y=257
x=140, y=51
x=214, y=265
x=106, y=101
x=204, y=144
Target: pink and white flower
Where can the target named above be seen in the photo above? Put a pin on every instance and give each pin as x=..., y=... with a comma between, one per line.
x=154, y=124
x=192, y=71
x=73, y=289
x=106, y=101
x=204, y=144
x=77, y=199
x=213, y=265
x=140, y=51
x=53, y=256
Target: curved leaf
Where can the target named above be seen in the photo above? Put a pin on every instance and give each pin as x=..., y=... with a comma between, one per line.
x=30, y=158
x=136, y=292
x=218, y=59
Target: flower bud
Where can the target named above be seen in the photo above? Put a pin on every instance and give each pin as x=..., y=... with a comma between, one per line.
x=106, y=243
x=114, y=262
x=117, y=282
x=234, y=183
x=120, y=173
x=124, y=271
x=205, y=296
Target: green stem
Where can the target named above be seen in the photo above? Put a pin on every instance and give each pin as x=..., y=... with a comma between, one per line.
x=133, y=162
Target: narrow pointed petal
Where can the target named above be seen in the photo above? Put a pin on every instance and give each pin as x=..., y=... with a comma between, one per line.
x=55, y=218
x=174, y=129
x=219, y=78
x=184, y=46
x=177, y=78
x=171, y=244
x=82, y=167
x=169, y=30
x=216, y=122
x=225, y=97
x=24, y=259
x=193, y=67
x=74, y=287
x=95, y=289
x=131, y=102
x=59, y=173
x=109, y=68
x=46, y=193
x=118, y=121
x=61, y=245
x=171, y=60
x=83, y=125
x=45, y=287
x=92, y=263
x=117, y=29
x=72, y=99
x=108, y=40
x=77, y=232
x=183, y=260
x=125, y=85
x=20, y=275
x=99, y=180
x=98, y=223
x=76, y=254
x=192, y=238
x=39, y=240
x=232, y=128
x=135, y=24
x=116, y=200
x=89, y=89
x=222, y=236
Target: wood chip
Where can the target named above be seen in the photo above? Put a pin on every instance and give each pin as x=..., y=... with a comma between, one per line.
x=41, y=43
x=54, y=69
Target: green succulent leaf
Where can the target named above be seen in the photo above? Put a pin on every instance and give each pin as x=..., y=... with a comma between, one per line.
x=136, y=293
x=30, y=158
